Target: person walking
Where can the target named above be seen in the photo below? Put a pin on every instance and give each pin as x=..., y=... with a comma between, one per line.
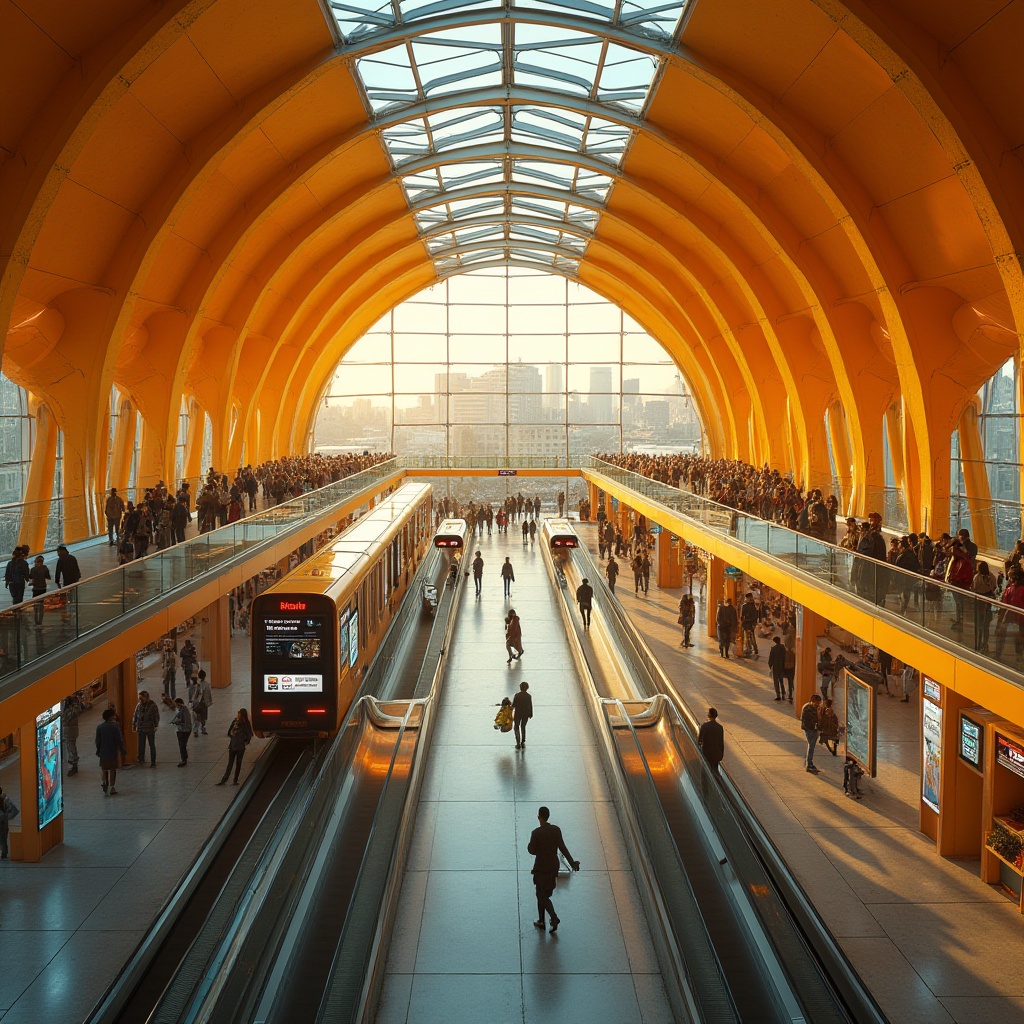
x=239, y=734
x=182, y=722
x=113, y=510
x=711, y=740
x=16, y=575
x=67, y=572
x=545, y=844
x=687, y=618
x=885, y=667
x=533, y=530
x=522, y=712
x=585, y=600
x=725, y=625
x=513, y=636
x=612, y=572
x=645, y=570
x=828, y=727
x=827, y=669
x=748, y=622
x=146, y=721
x=199, y=706
x=38, y=575
x=170, y=668
x=110, y=749
x=638, y=574
x=8, y=812
x=777, y=667
x=73, y=708
x=508, y=576
x=478, y=573
x=809, y=724
x=526, y=532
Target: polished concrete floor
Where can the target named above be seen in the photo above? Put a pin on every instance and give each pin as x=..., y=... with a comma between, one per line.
x=465, y=948
x=68, y=924
x=933, y=942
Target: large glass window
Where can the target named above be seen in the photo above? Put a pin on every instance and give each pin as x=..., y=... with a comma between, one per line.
x=507, y=362
x=999, y=426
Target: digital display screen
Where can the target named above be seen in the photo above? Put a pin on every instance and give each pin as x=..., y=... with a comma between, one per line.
x=353, y=638
x=1010, y=755
x=290, y=682
x=972, y=740
x=48, y=765
x=294, y=637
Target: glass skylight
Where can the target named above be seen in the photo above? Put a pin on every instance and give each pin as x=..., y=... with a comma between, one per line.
x=509, y=157
x=359, y=20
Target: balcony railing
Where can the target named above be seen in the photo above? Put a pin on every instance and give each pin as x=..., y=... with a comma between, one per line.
x=43, y=626
x=959, y=617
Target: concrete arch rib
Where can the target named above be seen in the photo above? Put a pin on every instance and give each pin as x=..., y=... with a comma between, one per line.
x=975, y=147
x=66, y=120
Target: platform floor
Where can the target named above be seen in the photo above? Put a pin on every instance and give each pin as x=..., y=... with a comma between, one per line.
x=69, y=923
x=932, y=941
x=464, y=946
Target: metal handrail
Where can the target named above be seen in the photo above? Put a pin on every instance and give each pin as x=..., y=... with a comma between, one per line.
x=839, y=568
x=30, y=634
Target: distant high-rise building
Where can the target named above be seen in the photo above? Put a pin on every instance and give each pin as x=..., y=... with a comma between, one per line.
x=600, y=405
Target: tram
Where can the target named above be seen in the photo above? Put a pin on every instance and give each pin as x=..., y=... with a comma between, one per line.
x=451, y=533
x=559, y=533
x=315, y=631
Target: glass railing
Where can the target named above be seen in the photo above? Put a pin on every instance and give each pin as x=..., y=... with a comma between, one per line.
x=41, y=627
x=983, y=626
x=425, y=462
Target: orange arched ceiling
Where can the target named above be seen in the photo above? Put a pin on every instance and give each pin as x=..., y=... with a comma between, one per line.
x=820, y=207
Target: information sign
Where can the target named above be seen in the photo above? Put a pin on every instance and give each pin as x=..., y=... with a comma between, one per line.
x=972, y=741
x=508, y=472
x=353, y=638
x=860, y=722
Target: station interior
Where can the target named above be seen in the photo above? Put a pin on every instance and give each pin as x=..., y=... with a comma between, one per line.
x=357, y=360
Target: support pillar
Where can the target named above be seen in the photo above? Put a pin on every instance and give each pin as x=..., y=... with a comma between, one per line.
x=979, y=496
x=124, y=445
x=716, y=590
x=122, y=683
x=810, y=626
x=592, y=493
x=670, y=569
x=193, y=467
x=218, y=642
x=39, y=487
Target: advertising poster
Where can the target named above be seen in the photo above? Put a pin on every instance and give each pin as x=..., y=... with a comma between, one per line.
x=48, y=754
x=860, y=722
x=931, y=728
x=353, y=638
x=1010, y=754
x=343, y=664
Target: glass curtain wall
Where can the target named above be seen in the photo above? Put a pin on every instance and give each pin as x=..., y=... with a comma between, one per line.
x=507, y=362
x=999, y=425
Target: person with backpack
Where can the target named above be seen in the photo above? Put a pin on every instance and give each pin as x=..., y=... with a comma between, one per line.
x=182, y=722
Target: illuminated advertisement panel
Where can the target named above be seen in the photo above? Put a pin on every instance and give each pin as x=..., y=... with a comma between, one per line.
x=353, y=638
x=295, y=641
x=931, y=730
x=48, y=765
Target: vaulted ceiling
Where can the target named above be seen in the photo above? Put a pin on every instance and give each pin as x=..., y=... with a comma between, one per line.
x=816, y=206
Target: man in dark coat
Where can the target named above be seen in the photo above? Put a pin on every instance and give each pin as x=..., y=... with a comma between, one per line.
x=585, y=599
x=522, y=712
x=777, y=666
x=545, y=842
x=478, y=572
x=711, y=740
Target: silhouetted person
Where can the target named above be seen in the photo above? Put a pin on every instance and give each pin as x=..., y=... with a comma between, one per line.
x=545, y=842
x=585, y=599
x=711, y=740
x=522, y=712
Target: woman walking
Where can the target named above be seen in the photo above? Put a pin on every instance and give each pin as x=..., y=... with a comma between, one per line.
x=239, y=734
x=687, y=617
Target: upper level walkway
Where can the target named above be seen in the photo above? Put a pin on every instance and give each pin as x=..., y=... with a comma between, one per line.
x=952, y=635
x=106, y=618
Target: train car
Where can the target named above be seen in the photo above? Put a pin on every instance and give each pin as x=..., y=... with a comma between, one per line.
x=560, y=533
x=452, y=534
x=315, y=630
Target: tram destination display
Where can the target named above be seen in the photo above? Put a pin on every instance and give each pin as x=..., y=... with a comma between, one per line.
x=294, y=645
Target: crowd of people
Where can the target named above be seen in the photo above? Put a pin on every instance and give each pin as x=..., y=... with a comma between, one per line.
x=481, y=516
x=947, y=559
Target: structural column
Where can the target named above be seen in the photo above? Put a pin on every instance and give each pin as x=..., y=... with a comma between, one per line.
x=810, y=626
x=31, y=842
x=39, y=486
x=716, y=590
x=218, y=641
